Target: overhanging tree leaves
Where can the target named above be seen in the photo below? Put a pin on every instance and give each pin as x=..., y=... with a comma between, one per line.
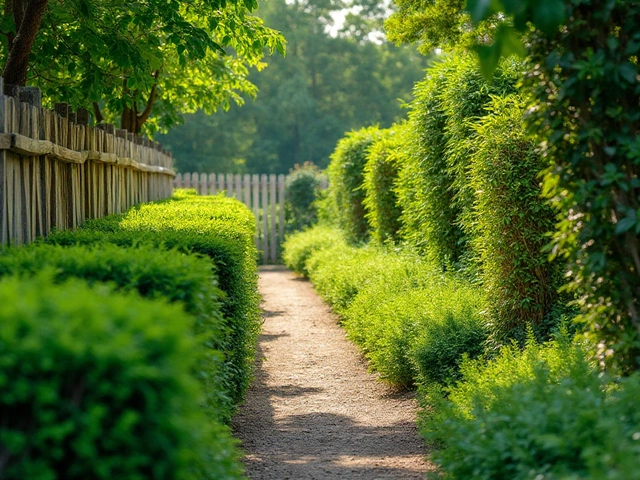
x=127, y=59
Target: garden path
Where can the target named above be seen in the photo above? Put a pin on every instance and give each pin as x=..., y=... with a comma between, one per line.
x=313, y=411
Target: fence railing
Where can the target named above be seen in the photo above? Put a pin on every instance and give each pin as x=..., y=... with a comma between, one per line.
x=56, y=170
x=262, y=194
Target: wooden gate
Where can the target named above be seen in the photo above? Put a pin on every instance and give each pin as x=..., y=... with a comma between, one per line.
x=262, y=194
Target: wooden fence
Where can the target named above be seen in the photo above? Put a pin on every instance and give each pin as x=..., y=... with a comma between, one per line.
x=262, y=194
x=56, y=170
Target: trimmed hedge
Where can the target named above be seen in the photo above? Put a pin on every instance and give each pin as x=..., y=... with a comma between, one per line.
x=413, y=323
x=544, y=412
x=95, y=384
x=217, y=227
x=153, y=273
x=346, y=177
x=380, y=174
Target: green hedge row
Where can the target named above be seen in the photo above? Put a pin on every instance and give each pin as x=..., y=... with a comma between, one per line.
x=97, y=384
x=413, y=323
x=216, y=227
x=163, y=252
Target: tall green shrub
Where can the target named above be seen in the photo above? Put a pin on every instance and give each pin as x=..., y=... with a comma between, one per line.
x=301, y=191
x=346, y=176
x=434, y=187
x=380, y=174
x=466, y=97
x=424, y=195
x=511, y=223
x=99, y=385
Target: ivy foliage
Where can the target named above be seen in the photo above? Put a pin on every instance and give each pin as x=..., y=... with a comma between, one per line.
x=584, y=89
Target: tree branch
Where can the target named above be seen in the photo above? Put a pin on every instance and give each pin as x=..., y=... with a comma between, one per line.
x=152, y=97
x=97, y=113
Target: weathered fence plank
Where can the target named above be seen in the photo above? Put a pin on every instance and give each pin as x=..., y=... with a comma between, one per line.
x=57, y=171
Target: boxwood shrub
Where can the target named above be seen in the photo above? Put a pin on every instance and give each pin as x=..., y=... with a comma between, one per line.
x=217, y=227
x=95, y=384
x=153, y=273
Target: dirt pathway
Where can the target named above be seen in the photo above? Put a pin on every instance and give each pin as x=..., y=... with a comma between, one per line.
x=313, y=411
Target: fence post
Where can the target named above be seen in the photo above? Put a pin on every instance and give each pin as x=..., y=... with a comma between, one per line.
x=265, y=215
x=273, y=219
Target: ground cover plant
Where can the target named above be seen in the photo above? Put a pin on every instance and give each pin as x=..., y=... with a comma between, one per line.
x=98, y=384
x=219, y=228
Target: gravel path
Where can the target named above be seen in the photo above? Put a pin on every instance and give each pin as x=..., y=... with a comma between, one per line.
x=313, y=411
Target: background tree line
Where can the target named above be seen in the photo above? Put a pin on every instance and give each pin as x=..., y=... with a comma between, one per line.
x=329, y=83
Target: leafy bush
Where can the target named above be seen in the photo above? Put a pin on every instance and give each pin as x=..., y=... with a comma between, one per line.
x=95, y=384
x=218, y=227
x=510, y=224
x=301, y=190
x=540, y=413
x=153, y=273
x=299, y=247
x=346, y=175
x=380, y=173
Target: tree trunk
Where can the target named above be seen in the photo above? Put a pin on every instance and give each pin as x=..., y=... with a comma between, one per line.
x=27, y=15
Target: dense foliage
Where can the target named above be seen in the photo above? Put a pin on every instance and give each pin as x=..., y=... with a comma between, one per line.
x=332, y=80
x=98, y=385
x=584, y=90
x=434, y=189
x=544, y=412
x=510, y=225
x=153, y=273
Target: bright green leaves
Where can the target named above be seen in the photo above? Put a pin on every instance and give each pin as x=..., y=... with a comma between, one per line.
x=546, y=15
x=507, y=42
